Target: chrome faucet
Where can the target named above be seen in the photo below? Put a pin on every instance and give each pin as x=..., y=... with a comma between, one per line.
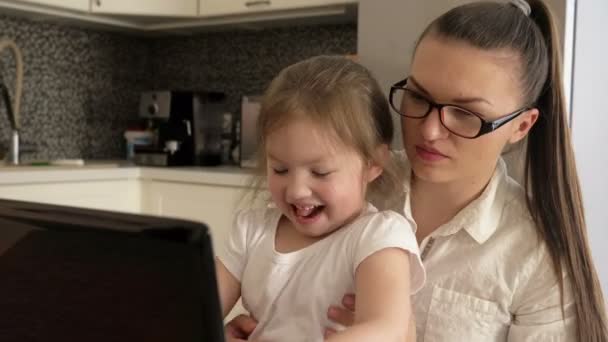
x=12, y=108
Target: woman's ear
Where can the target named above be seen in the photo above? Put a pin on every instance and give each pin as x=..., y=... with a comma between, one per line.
x=376, y=165
x=523, y=124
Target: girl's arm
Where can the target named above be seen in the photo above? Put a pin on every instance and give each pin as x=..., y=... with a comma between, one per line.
x=383, y=299
x=229, y=287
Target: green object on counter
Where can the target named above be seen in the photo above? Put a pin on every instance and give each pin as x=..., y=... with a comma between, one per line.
x=42, y=163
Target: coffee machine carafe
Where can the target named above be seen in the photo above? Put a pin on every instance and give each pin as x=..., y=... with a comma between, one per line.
x=173, y=115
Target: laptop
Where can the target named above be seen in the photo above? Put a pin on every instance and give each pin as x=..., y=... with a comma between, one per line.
x=69, y=274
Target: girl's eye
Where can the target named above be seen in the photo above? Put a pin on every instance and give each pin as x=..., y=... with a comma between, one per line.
x=279, y=171
x=321, y=174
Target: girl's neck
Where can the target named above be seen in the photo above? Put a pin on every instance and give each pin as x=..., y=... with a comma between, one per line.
x=288, y=239
x=434, y=204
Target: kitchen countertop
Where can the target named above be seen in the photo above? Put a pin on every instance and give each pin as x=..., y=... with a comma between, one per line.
x=99, y=170
x=214, y=175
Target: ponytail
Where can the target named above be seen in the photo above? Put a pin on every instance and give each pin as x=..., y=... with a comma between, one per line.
x=556, y=202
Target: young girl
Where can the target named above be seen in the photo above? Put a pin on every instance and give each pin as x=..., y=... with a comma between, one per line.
x=325, y=130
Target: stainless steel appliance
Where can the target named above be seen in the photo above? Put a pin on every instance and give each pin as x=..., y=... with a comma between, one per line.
x=187, y=126
x=250, y=111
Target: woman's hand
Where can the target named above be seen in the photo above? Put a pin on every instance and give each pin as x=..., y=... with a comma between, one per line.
x=342, y=315
x=239, y=328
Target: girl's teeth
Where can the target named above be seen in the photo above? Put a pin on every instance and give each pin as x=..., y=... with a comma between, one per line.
x=304, y=211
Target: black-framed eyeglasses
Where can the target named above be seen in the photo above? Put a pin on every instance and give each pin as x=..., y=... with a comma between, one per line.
x=459, y=121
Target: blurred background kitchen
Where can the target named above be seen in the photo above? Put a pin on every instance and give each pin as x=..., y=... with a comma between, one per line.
x=82, y=85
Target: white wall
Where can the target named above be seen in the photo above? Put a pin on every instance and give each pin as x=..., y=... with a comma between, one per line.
x=388, y=30
x=590, y=123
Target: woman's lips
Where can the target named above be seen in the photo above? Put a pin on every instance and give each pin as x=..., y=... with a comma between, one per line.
x=429, y=154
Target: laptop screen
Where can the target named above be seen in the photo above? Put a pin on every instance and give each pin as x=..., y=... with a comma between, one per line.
x=83, y=275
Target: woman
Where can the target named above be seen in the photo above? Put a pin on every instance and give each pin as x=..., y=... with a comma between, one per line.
x=501, y=266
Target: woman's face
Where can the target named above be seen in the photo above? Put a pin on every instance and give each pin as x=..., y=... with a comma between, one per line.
x=485, y=82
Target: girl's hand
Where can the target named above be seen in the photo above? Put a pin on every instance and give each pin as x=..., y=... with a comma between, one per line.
x=239, y=328
x=342, y=315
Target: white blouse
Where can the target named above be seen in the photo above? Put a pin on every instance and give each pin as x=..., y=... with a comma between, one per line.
x=489, y=274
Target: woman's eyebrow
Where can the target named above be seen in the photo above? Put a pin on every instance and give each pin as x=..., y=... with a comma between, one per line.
x=460, y=100
x=417, y=85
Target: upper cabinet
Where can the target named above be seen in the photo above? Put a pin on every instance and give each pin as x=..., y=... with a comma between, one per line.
x=76, y=5
x=210, y=8
x=161, y=8
x=183, y=16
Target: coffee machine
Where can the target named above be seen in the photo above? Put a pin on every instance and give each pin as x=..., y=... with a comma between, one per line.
x=185, y=123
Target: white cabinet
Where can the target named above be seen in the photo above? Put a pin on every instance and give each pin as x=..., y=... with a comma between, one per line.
x=183, y=15
x=210, y=204
x=159, y=8
x=115, y=195
x=77, y=5
x=231, y=7
x=210, y=197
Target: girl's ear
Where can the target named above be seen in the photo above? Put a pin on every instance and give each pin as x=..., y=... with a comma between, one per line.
x=376, y=165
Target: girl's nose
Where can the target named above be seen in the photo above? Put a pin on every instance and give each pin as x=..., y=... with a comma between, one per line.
x=297, y=188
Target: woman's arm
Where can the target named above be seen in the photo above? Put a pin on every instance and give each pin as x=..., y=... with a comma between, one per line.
x=229, y=287
x=383, y=299
x=343, y=315
x=240, y=328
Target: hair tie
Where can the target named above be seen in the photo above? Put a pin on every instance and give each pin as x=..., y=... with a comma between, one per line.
x=523, y=5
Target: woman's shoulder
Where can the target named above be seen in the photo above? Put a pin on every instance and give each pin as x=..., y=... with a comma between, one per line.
x=505, y=212
x=515, y=218
x=527, y=256
x=512, y=197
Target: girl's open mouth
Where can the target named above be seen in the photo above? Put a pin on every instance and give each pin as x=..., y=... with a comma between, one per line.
x=307, y=213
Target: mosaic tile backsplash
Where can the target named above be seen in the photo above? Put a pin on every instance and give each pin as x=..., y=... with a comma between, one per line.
x=81, y=87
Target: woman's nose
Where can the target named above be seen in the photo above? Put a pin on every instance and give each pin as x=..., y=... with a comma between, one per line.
x=431, y=127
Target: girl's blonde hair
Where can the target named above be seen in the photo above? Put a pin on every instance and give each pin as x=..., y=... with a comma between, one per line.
x=342, y=96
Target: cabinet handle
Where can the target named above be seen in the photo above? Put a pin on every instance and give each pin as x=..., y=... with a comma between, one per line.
x=98, y=3
x=257, y=3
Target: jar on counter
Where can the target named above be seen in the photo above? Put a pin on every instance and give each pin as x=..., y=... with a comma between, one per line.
x=137, y=138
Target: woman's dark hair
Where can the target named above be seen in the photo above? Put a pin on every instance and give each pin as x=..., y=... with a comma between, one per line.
x=552, y=183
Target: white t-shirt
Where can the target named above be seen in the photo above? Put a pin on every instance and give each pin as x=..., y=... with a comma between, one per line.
x=289, y=293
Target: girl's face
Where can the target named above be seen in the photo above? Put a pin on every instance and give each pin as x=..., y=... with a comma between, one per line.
x=318, y=183
x=449, y=71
